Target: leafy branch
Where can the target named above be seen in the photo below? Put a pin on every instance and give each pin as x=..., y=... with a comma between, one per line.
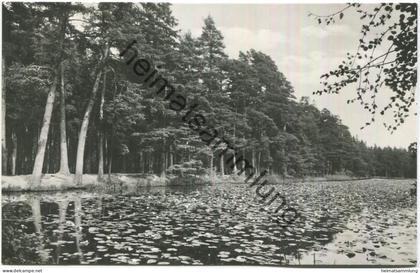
x=373, y=71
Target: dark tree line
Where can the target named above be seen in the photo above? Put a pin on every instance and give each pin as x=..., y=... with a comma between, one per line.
x=72, y=107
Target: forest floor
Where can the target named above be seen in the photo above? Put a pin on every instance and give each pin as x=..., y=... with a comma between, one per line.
x=59, y=182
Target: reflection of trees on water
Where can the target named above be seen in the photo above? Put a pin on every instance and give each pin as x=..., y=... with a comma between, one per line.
x=37, y=218
x=226, y=219
x=321, y=233
x=23, y=219
x=36, y=213
x=78, y=225
x=62, y=208
x=19, y=240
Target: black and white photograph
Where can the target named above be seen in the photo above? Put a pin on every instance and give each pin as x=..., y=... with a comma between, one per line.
x=209, y=134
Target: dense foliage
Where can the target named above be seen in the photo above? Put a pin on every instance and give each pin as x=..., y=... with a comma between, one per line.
x=130, y=129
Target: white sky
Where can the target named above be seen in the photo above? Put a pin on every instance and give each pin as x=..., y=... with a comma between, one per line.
x=303, y=50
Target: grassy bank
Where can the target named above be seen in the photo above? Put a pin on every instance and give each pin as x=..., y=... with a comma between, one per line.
x=49, y=182
x=58, y=182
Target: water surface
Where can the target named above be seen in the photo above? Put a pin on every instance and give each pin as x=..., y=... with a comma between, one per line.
x=369, y=222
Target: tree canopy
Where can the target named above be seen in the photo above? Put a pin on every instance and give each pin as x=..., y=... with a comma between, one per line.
x=129, y=129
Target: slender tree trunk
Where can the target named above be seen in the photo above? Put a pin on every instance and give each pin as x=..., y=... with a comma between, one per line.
x=14, y=152
x=222, y=164
x=285, y=174
x=234, y=156
x=151, y=170
x=110, y=165
x=64, y=163
x=71, y=154
x=83, y=132
x=146, y=162
x=234, y=139
x=101, y=157
x=46, y=167
x=43, y=136
x=78, y=177
x=105, y=155
x=211, y=168
x=140, y=162
x=101, y=133
x=243, y=162
x=51, y=151
x=234, y=169
x=143, y=162
x=253, y=161
x=163, y=174
x=23, y=152
x=3, y=121
x=110, y=147
x=124, y=163
x=88, y=159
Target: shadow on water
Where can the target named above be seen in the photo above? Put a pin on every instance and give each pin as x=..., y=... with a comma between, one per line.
x=210, y=225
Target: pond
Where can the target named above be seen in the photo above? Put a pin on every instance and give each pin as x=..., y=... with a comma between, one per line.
x=370, y=222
